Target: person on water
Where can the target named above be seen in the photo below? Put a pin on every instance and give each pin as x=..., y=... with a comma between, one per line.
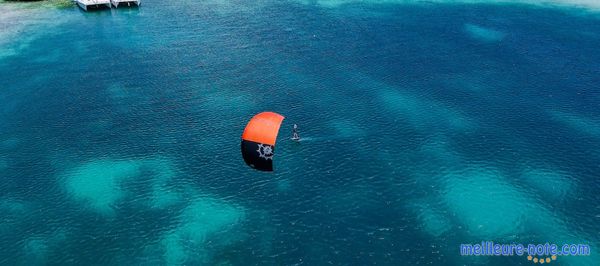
x=295, y=135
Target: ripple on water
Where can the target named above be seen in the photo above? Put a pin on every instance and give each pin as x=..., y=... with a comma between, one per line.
x=589, y=4
x=580, y=123
x=434, y=221
x=421, y=113
x=204, y=226
x=355, y=171
x=551, y=184
x=97, y=184
x=489, y=207
x=18, y=34
x=483, y=34
x=101, y=185
x=38, y=248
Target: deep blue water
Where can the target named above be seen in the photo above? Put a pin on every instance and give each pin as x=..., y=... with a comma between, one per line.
x=425, y=126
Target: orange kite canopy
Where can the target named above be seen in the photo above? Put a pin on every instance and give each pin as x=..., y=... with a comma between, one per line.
x=263, y=128
x=258, y=140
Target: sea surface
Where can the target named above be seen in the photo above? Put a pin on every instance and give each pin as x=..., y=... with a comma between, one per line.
x=425, y=125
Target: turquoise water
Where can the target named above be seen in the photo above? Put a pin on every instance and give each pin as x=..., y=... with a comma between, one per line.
x=425, y=125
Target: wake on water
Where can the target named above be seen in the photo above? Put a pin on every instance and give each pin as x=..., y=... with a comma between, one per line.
x=320, y=139
x=303, y=139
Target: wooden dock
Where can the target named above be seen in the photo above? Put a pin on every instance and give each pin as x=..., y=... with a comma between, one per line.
x=96, y=4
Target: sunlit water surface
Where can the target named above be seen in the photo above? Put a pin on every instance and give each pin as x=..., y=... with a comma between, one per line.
x=425, y=126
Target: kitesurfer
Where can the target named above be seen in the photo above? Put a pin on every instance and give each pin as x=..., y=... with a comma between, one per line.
x=295, y=135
